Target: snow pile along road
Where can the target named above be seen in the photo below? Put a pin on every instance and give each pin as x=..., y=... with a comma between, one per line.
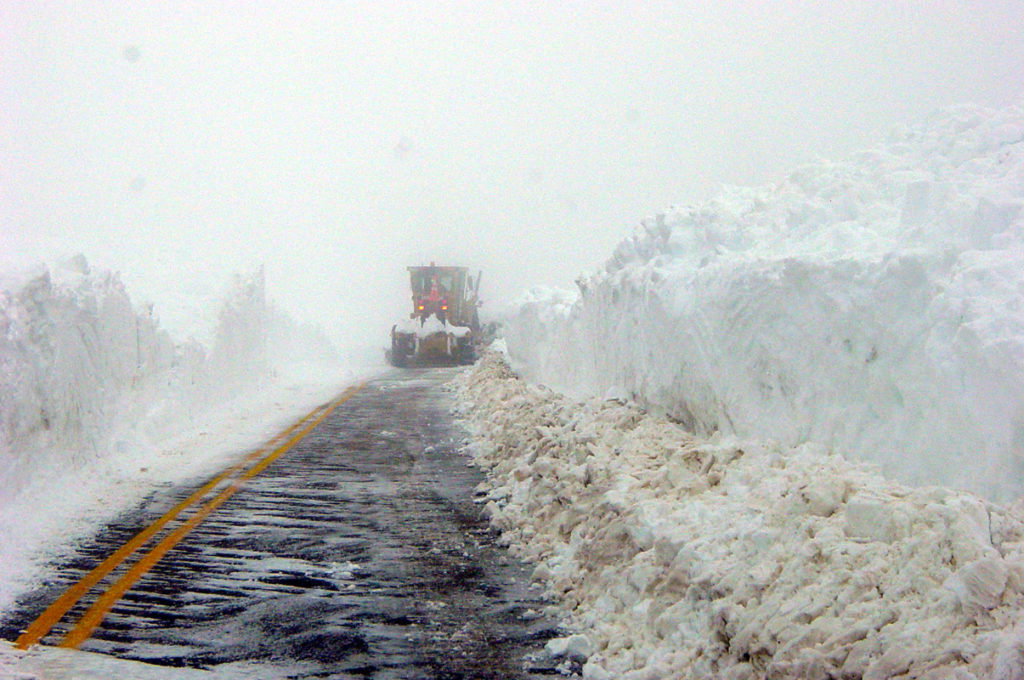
x=76, y=360
x=873, y=306
x=721, y=558
x=94, y=394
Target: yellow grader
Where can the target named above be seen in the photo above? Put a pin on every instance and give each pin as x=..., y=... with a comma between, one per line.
x=444, y=325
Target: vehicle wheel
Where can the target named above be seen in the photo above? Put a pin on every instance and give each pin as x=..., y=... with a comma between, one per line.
x=399, y=355
x=465, y=354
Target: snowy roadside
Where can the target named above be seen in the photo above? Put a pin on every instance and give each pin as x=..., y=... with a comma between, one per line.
x=100, y=405
x=78, y=502
x=728, y=558
x=52, y=512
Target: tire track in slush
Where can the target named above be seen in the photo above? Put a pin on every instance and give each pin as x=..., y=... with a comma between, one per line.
x=358, y=554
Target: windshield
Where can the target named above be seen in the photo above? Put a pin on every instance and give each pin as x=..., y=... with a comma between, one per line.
x=423, y=279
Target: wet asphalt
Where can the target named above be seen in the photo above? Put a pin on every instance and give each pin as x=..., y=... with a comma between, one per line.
x=360, y=553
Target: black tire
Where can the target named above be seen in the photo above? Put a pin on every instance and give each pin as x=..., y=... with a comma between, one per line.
x=400, y=352
x=465, y=353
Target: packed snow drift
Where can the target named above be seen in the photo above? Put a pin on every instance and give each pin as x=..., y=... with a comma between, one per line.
x=98, y=403
x=679, y=556
x=874, y=307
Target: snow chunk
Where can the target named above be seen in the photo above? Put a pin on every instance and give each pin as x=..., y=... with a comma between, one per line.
x=979, y=586
x=575, y=647
x=875, y=519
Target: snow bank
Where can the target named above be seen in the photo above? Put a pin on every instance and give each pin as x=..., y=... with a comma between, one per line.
x=92, y=391
x=721, y=558
x=873, y=306
x=74, y=358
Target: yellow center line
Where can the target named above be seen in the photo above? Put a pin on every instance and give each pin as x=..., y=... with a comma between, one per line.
x=94, y=616
x=49, y=618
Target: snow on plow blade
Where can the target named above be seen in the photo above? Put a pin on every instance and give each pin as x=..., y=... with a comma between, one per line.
x=434, y=343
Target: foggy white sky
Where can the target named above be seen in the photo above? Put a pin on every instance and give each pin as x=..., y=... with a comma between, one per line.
x=178, y=141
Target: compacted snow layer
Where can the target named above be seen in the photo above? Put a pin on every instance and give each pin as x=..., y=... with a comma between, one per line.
x=874, y=306
x=98, y=404
x=54, y=663
x=722, y=558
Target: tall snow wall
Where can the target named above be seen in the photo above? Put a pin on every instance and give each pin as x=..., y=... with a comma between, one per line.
x=875, y=306
x=84, y=374
x=71, y=351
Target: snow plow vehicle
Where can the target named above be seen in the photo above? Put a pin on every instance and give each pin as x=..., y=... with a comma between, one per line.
x=444, y=326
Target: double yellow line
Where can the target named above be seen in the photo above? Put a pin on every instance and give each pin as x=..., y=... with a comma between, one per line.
x=94, y=615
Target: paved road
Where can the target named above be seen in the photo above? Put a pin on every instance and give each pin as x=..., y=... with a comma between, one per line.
x=359, y=553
